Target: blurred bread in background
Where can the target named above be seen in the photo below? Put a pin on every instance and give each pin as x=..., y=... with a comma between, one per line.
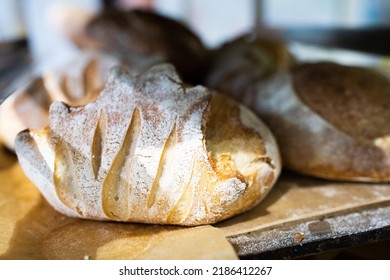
x=239, y=63
x=330, y=120
x=77, y=83
x=142, y=35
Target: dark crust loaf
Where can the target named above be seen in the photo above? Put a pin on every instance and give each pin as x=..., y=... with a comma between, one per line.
x=145, y=33
x=330, y=120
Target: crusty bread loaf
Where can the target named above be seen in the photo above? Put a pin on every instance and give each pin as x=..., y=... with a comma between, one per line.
x=77, y=83
x=238, y=64
x=330, y=120
x=136, y=34
x=152, y=150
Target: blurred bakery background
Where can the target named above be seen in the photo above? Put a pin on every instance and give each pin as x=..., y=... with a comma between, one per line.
x=36, y=35
x=42, y=30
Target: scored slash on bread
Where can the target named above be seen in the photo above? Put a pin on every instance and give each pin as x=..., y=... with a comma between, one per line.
x=151, y=149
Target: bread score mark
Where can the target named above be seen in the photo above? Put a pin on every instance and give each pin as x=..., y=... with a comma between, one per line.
x=65, y=179
x=116, y=186
x=98, y=143
x=164, y=166
x=183, y=206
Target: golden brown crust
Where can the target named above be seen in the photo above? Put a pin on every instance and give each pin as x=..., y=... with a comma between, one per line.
x=226, y=131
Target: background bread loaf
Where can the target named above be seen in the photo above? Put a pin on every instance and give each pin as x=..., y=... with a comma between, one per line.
x=77, y=83
x=238, y=64
x=139, y=35
x=330, y=120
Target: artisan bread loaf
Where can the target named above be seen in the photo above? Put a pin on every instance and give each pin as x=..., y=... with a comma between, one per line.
x=330, y=120
x=77, y=83
x=237, y=64
x=143, y=35
x=151, y=149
